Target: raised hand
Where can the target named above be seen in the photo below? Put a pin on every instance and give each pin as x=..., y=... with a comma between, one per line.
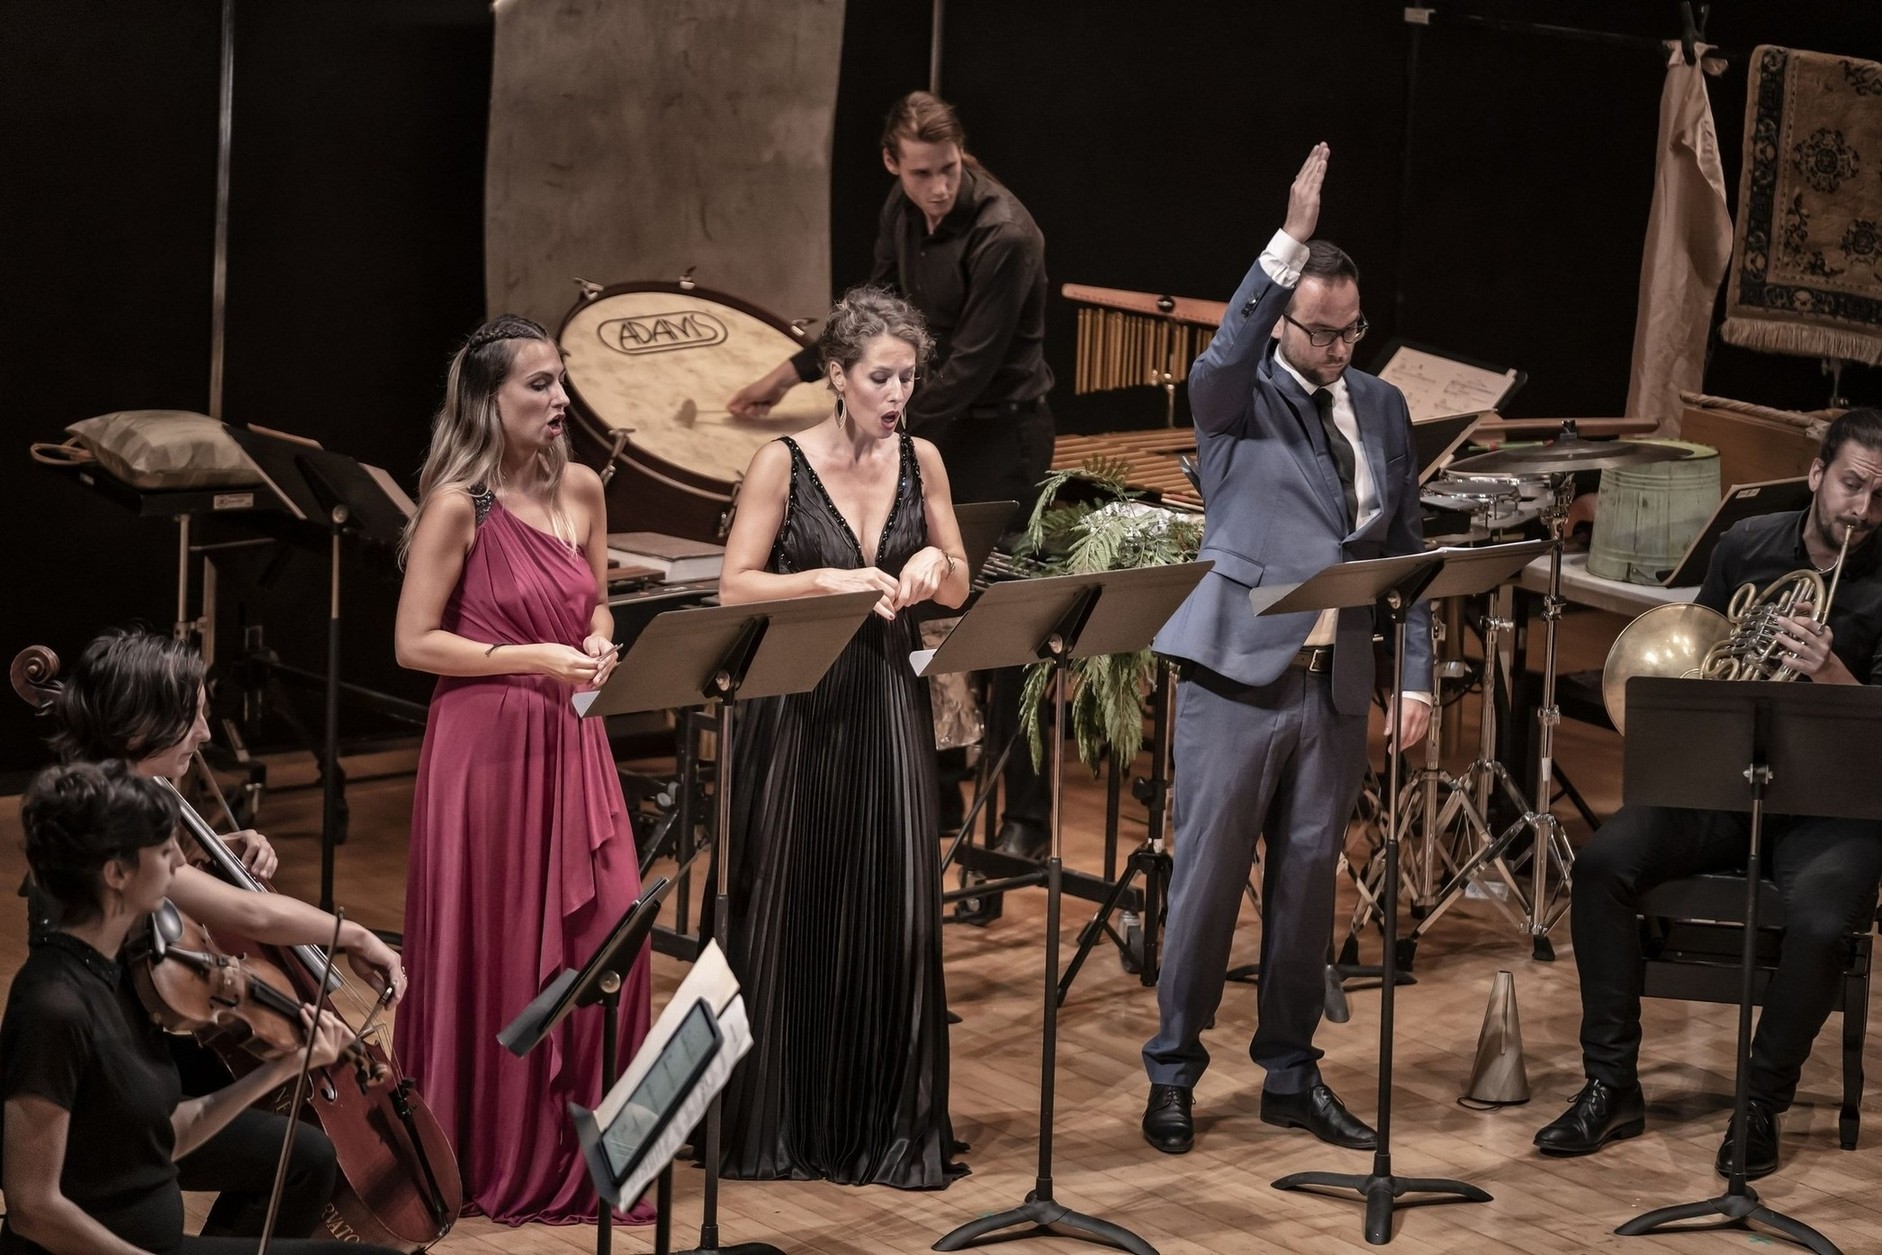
x=1303, y=198
x=861, y=579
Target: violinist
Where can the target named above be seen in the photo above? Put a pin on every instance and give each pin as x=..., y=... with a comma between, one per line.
x=93, y=1114
x=139, y=696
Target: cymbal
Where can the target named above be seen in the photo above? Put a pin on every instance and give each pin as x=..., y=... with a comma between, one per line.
x=1565, y=456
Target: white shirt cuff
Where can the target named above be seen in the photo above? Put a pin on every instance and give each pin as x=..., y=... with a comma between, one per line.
x=1416, y=696
x=1283, y=259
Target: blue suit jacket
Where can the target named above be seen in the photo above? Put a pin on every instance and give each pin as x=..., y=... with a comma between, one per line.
x=1274, y=510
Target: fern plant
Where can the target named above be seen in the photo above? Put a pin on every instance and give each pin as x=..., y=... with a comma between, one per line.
x=1117, y=533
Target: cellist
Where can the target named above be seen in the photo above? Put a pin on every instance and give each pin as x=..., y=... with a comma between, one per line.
x=139, y=696
x=93, y=1109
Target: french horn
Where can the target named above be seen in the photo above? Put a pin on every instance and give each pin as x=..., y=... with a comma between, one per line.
x=1694, y=641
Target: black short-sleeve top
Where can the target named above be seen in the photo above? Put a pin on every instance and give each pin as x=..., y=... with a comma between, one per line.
x=74, y=1036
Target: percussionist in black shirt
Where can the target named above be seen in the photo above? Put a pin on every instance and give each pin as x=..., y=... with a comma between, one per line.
x=961, y=247
x=1827, y=869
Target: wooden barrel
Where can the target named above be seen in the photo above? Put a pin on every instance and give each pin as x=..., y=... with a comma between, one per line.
x=1646, y=516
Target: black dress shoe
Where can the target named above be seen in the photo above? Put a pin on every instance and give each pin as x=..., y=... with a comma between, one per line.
x=1319, y=1111
x=1022, y=839
x=1760, y=1148
x=1167, y=1123
x=1599, y=1114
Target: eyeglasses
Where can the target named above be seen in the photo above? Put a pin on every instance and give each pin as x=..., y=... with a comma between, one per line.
x=1324, y=339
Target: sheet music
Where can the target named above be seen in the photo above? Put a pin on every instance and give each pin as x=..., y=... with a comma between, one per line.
x=1435, y=386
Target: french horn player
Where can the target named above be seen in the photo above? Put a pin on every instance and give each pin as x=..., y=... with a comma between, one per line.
x=1827, y=869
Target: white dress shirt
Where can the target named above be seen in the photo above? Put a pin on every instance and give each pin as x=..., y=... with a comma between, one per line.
x=1283, y=259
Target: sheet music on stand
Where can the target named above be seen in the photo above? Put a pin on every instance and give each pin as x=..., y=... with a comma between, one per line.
x=1438, y=383
x=687, y=1057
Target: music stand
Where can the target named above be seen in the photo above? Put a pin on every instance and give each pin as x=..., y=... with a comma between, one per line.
x=1056, y=619
x=629, y=1139
x=341, y=494
x=1396, y=583
x=727, y=654
x=597, y=980
x=982, y=523
x=1799, y=749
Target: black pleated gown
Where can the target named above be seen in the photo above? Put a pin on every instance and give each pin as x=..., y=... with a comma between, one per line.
x=837, y=911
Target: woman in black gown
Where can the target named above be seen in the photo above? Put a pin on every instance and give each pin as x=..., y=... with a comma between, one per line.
x=836, y=920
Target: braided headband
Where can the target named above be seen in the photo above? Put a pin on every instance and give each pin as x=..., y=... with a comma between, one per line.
x=508, y=327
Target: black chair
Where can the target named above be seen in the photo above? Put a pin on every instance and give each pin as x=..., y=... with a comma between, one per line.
x=1692, y=934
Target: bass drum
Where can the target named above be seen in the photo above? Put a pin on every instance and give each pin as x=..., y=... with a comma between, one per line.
x=650, y=368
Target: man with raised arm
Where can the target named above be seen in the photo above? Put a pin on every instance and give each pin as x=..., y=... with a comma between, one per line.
x=1305, y=463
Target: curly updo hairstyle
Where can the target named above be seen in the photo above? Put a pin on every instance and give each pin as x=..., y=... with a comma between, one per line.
x=862, y=314
x=79, y=817
x=132, y=693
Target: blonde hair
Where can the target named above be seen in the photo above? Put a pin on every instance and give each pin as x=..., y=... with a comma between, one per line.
x=467, y=439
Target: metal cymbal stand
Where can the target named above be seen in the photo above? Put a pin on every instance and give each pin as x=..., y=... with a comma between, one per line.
x=1545, y=903
x=1451, y=833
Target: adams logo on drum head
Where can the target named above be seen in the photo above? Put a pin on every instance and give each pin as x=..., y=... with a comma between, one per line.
x=663, y=332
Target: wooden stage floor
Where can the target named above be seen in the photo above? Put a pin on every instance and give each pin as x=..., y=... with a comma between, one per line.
x=1217, y=1198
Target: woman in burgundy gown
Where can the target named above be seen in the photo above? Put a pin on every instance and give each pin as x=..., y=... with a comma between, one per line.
x=836, y=922
x=522, y=858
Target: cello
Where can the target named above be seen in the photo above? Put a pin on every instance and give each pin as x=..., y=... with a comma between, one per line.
x=399, y=1184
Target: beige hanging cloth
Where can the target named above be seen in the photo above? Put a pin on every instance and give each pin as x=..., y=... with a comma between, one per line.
x=1689, y=244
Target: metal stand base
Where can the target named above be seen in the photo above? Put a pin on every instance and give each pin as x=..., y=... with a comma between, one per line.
x=1042, y=1215
x=1735, y=1211
x=1382, y=1190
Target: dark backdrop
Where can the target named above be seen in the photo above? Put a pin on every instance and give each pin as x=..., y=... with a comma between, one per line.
x=1496, y=210
x=355, y=259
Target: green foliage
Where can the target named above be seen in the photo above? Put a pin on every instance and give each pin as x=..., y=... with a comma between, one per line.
x=1079, y=538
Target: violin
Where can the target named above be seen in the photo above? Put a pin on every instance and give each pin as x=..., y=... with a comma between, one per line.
x=399, y=1181
x=190, y=985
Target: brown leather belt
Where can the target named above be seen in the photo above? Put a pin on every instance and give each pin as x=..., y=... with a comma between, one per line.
x=1314, y=658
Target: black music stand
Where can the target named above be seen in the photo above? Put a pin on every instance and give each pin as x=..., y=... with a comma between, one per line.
x=1056, y=619
x=727, y=654
x=982, y=523
x=598, y=980
x=1799, y=749
x=343, y=495
x=1394, y=583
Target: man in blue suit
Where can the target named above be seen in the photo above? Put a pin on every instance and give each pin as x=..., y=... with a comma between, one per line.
x=1304, y=463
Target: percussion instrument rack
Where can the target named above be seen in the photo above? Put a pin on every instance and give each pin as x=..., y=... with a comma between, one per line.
x=1139, y=339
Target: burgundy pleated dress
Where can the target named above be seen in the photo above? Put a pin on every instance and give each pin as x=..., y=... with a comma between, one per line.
x=522, y=859
x=836, y=928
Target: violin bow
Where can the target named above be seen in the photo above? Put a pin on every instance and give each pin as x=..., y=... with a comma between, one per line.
x=300, y=1091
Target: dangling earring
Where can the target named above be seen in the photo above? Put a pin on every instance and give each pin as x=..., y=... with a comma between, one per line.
x=841, y=413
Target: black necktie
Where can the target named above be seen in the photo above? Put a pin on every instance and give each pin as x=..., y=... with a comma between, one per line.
x=1342, y=450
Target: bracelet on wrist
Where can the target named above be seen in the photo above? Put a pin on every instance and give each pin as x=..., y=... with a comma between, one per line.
x=494, y=648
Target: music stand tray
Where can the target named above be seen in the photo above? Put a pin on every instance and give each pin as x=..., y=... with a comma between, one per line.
x=581, y=987
x=1797, y=749
x=673, y=661
x=982, y=523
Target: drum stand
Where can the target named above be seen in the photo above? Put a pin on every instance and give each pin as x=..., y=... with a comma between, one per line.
x=1544, y=904
x=1456, y=832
